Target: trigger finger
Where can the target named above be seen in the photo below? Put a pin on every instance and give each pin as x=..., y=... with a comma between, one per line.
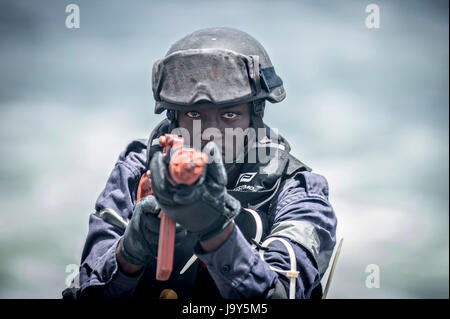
x=149, y=205
x=215, y=167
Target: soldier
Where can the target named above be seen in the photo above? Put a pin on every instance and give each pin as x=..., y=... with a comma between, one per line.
x=251, y=228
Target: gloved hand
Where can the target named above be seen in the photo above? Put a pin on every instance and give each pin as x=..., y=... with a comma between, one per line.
x=140, y=242
x=204, y=208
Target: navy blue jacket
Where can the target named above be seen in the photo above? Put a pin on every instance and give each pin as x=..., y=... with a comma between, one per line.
x=300, y=214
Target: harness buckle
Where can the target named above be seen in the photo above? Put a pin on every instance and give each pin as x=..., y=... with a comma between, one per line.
x=260, y=247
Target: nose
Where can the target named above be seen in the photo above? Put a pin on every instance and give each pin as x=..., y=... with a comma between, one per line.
x=211, y=134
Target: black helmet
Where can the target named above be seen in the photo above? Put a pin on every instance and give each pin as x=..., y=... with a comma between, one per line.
x=215, y=67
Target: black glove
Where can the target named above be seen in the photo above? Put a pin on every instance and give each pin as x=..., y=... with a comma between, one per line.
x=204, y=208
x=140, y=242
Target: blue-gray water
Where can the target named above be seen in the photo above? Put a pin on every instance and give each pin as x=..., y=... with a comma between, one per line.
x=367, y=108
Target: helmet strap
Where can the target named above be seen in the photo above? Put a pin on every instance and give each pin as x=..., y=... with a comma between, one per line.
x=256, y=117
x=172, y=116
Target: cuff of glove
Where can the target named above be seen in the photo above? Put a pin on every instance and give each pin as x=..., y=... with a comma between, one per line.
x=127, y=256
x=232, y=209
x=204, y=236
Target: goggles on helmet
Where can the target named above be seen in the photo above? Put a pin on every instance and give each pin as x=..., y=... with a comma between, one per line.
x=210, y=78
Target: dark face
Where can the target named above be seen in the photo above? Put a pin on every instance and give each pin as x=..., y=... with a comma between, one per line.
x=215, y=121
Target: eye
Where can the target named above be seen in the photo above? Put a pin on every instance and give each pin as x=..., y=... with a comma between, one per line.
x=230, y=115
x=193, y=114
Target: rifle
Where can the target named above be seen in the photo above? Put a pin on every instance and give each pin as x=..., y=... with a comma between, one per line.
x=185, y=167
